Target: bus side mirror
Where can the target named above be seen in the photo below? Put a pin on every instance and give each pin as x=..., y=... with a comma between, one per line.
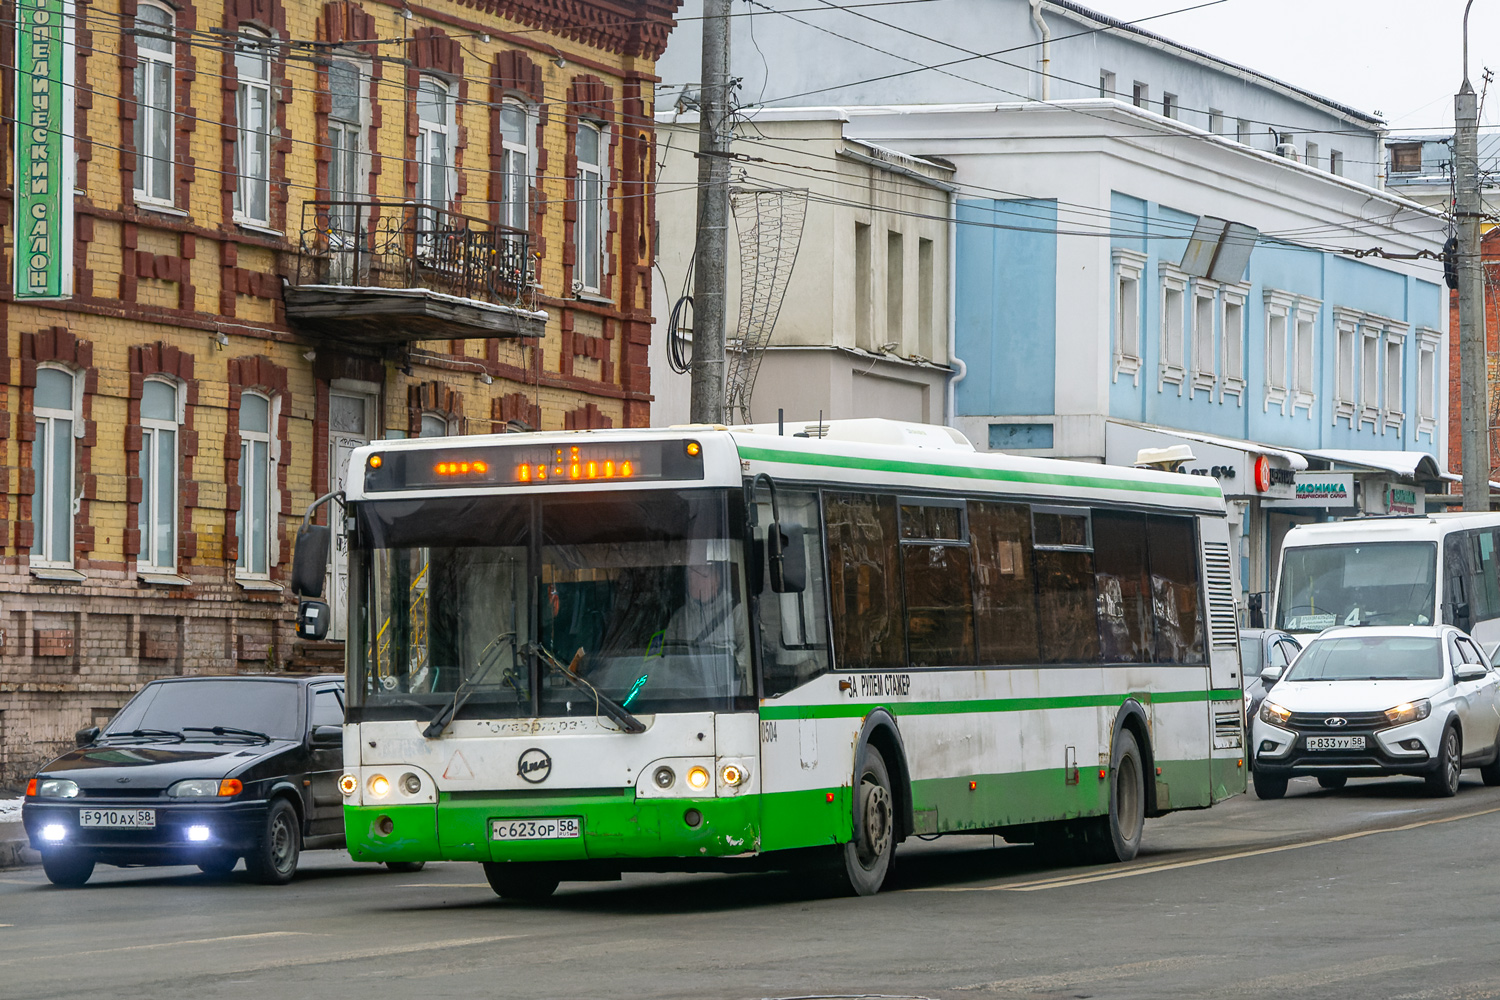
x=312, y=620
x=785, y=558
x=310, y=560
x=1461, y=615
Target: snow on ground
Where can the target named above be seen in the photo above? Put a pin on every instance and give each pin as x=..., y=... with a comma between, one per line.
x=10, y=810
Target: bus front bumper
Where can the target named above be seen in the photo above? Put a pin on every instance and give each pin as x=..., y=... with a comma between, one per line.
x=464, y=828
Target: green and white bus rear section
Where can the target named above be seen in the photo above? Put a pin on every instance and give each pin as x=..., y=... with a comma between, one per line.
x=577, y=654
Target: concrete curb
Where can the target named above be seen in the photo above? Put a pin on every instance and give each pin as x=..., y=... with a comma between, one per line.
x=15, y=849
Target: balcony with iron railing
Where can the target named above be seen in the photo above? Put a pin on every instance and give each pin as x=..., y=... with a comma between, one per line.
x=390, y=273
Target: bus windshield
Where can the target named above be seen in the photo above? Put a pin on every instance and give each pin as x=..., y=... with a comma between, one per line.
x=1368, y=583
x=639, y=595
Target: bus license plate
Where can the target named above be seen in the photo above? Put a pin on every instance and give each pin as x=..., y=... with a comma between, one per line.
x=1335, y=743
x=552, y=828
x=135, y=819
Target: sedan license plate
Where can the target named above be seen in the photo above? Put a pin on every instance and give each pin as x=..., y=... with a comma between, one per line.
x=1335, y=743
x=551, y=828
x=138, y=819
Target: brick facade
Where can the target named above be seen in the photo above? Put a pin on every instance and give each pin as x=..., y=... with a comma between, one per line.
x=182, y=291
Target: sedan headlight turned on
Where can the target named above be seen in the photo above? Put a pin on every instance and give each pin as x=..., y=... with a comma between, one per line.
x=1274, y=714
x=1409, y=711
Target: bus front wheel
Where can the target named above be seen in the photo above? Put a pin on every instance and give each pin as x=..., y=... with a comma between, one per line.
x=517, y=880
x=867, y=858
x=1117, y=836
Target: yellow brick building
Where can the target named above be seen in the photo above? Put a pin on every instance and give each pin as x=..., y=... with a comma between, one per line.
x=298, y=226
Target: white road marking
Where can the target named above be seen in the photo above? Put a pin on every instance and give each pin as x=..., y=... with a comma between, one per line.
x=1064, y=881
x=169, y=944
x=1080, y=977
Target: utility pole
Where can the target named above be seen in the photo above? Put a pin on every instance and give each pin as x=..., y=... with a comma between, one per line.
x=1473, y=373
x=714, y=134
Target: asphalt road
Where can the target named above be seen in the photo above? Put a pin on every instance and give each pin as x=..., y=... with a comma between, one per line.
x=1375, y=891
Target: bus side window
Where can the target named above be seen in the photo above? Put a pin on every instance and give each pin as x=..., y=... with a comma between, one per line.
x=1175, y=604
x=1487, y=584
x=1121, y=573
x=793, y=627
x=864, y=581
x=1458, y=574
x=1062, y=543
x=1004, y=585
x=936, y=583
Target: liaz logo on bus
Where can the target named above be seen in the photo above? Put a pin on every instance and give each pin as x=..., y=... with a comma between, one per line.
x=535, y=766
x=449, y=467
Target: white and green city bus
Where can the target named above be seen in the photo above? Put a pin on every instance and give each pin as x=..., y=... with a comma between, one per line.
x=706, y=649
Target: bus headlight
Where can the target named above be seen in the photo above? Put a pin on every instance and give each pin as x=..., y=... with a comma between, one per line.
x=380, y=786
x=731, y=774
x=348, y=784
x=697, y=778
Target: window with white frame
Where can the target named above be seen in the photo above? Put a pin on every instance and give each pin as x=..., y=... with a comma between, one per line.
x=1216, y=121
x=155, y=65
x=1312, y=156
x=1393, y=402
x=252, y=147
x=158, y=470
x=434, y=153
x=1278, y=311
x=1205, y=371
x=1106, y=83
x=1346, y=335
x=1302, y=380
x=591, y=145
x=1369, y=374
x=1129, y=265
x=1173, y=326
x=1427, y=369
x=346, y=140
x=433, y=426
x=515, y=164
x=55, y=407
x=1232, y=336
x=254, y=522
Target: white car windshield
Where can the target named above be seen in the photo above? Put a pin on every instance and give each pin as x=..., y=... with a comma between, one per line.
x=1370, y=658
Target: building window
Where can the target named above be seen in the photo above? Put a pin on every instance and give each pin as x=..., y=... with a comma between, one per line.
x=862, y=336
x=1140, y=94
x=1232, y=336
x=154, y=68
x=55, y=406
x=926, y=326
x=158, y=507
x=1205, y=372
x=515, y=164
x=1335, y=162
x=588, y=231
x=433, y=426
x=252, y=106
x=1169, y=105
x=1216, y=121
x=1173, y=326
x=895, y=292
x=1243, y=130
x=1106, y=83
x=1427, y=369
x=1303, y=379
x=1129, y=266
x=1311, y=155
x=1369, y=375
x=1344, y=401
x=1406, y=158
x=253, y=522
x=1393, y=405
x=346, y=141
x=434, y=159
x=1278, y=309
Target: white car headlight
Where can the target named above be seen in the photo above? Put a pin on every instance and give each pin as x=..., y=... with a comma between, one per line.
x=1409, y=711
x=58, y=788
x=195, y=788
x=1274, y=713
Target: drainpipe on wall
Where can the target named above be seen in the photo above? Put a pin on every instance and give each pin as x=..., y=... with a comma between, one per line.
x=961, y=369
x=1046, y=33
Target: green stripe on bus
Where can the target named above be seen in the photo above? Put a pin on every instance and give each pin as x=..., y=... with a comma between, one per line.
x=961, y=472
x=858, y=710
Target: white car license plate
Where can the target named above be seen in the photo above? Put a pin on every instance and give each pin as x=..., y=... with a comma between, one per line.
x=142, y=819
x=1335, y=743
x=551, y=828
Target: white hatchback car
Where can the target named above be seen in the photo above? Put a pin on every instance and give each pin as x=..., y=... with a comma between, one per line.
x=1359, y=702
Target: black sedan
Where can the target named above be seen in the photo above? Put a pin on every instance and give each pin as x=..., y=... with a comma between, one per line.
x=197, y=770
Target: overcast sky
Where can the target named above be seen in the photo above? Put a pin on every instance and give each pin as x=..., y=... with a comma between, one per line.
x=1400, y=59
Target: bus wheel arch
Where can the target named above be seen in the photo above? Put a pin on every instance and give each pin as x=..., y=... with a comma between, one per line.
x=880, y=731
x=1132, y=717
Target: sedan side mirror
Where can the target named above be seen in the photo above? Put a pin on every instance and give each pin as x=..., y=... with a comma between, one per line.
x=1469, y=672
x=1271, y=675
x=328, y=736
x=86, y=736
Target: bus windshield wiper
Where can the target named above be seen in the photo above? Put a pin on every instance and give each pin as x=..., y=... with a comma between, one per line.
x=624, y=719
x=487, y=660
x=227, y=731
x=140, y=733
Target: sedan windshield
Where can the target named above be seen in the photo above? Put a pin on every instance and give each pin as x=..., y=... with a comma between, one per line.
x=251, y=706
x=1369, y=658
x=1378, y=583
x=637, y=595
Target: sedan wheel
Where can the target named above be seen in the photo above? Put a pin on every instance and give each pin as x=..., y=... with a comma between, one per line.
x=274, y=860
x=1442, y=782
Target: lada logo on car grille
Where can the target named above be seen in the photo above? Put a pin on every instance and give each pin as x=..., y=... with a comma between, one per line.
x=534, y=766
x=1335, y=721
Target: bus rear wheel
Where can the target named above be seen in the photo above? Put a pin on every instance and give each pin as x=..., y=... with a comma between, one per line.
x=516, y=880
x=866, y=860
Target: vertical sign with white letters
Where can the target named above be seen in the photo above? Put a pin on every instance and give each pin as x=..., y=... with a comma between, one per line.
x=44, y=149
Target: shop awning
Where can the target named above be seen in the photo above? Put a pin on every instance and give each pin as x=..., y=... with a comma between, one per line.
x=1413, y=465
